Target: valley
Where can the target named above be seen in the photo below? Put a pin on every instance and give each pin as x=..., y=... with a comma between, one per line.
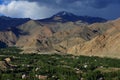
x=62, y=47
x=15, y=66
x=59, y=40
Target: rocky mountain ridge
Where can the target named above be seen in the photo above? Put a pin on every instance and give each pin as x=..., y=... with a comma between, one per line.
x=66, y=33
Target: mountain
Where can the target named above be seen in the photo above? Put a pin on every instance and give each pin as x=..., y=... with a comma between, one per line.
x=6, y=22
x=36, y=37
x=105, y=45
x=67, y=17
x=65, y=33
x=70, y=37
x=8, y=37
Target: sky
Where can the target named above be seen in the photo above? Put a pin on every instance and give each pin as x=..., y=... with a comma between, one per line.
x=39, y=9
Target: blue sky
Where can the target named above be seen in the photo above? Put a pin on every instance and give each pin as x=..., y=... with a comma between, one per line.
x=1, y=1
x=5, y=1
x=38, y=9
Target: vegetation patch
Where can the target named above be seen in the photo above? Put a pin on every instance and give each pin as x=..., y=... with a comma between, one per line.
x=56, y=67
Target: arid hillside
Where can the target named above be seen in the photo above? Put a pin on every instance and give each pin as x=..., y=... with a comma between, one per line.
x=60, y=34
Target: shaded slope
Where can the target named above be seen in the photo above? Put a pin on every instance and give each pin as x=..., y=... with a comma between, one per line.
x=6, y=22
x=2, y=45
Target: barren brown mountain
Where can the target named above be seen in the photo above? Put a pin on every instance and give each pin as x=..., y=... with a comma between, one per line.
x=70, y=37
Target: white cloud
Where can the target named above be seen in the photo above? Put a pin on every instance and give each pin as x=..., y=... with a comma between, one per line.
x=26, y=9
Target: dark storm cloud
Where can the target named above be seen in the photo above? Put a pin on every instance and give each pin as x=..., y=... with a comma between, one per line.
x=108, y=9
x=101, y=8
x=102, y=3
x=72, y=3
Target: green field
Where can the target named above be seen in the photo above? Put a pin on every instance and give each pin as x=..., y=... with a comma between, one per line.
x=57, y=67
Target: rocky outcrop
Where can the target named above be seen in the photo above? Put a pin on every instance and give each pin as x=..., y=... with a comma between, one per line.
x=4, y=66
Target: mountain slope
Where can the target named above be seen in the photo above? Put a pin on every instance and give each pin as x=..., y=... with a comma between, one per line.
x=8, y=37
x=36, y=36
x=105, y=45
x=6, y=22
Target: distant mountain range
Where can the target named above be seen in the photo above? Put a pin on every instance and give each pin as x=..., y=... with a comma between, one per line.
x=6, y=22
x=65, y=33
x=66, y=17
x=63, y=16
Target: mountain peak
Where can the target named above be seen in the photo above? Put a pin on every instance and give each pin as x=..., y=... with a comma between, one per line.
x=65, y=16
x=64, y=13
